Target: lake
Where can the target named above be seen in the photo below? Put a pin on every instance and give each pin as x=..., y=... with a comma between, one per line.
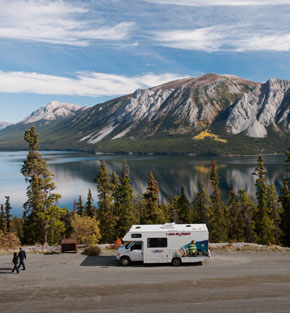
x=75, y=172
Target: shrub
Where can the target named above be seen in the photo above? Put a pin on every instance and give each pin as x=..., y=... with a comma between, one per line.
x=85, y=229
x=8, y=240
x=93, y=251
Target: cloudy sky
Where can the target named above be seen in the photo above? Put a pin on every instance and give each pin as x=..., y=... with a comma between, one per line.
x=88, y=51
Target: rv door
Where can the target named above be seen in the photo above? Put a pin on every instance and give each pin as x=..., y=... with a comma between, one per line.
x=136, y=253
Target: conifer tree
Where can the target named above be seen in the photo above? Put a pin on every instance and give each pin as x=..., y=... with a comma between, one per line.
x=105, y=203
x=288, y=162
x=139, y=206
x=172, y=214
x=8, y=215
x=152, y=214
x=75, y=207
x=2, y=219
x=202, y=212
x=80, y=207
x=39, y=191
x=183, y=209
x=218, y=223
x=17, y=227
x=236, y=224
x=248, y=210
x=264, y=224
x=274, y=206
x=124, y=200
x=90, y=209
x=285, y=216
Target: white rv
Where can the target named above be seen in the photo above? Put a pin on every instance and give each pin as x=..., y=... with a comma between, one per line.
x=168, y=243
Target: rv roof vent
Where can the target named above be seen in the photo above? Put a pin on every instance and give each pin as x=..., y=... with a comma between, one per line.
x=137, y=227
x=169, y=225
x=188, y=226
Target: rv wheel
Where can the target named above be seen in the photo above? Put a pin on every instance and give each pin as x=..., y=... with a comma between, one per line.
x=176, y=262
x=125, y=261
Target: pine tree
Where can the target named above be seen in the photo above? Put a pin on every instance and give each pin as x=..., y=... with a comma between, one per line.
x=105, y=204
x=8, y=215
x=75, y=207
x=202, y=212
x=274, y=206
x=39, y=191
x=172, y=214
x=90, y=209
x=183, y=209
x=218, y=223
x=236, y=225
x=288, y=162
x=139, y=206
x=124, y=200
x=285, y=216
x=264, y=224
x=152, y=214
x=17, y=227
x=80, y=207
x=248, y=210
x=2, y=219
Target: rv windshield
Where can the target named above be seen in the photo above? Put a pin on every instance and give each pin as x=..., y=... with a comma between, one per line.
x=129, y=245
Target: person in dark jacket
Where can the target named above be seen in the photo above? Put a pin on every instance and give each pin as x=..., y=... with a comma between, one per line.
x=15, y=262
x=22, y=257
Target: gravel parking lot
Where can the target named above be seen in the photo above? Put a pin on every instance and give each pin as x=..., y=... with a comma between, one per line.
x=229, y=282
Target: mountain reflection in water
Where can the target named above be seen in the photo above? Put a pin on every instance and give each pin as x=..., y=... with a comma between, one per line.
x=75, y=172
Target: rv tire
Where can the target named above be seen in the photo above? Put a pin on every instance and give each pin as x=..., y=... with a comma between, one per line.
x=176, y=262
x=125, y=261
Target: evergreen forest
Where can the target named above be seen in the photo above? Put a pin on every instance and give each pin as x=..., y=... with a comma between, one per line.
x=264, y=220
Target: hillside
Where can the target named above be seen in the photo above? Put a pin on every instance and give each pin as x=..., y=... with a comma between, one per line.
x=210, y=114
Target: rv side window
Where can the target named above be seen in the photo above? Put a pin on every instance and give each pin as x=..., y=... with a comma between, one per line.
x=136, y=235
x=157, y=242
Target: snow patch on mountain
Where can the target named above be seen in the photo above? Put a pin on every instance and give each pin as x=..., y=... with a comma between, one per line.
x=52, y=111
x=4, y=125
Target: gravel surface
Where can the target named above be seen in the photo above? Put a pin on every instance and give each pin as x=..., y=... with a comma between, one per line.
x=229, y=282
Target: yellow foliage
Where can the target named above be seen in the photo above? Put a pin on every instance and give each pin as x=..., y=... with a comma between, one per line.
x=202, y=169
x=8, y=240
x=207, y=134
x=85, y=229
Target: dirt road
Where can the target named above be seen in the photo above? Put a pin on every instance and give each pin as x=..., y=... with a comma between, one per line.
x=230, y=282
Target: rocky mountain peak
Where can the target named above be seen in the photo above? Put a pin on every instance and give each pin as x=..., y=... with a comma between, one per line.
x=52, y=111
x=257, y=110
x=4, y=125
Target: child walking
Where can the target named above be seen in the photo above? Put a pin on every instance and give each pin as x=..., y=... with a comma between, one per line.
x=15, y=262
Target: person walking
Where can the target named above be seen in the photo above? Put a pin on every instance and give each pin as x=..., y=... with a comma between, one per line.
x=22, y=257
x=15, y=262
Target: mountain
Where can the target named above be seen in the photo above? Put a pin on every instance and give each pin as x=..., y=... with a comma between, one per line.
x=52, y=111
x=210, y=114
x=4, y=125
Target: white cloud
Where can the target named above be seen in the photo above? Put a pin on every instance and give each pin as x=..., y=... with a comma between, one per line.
x=225, y=38
x=84, y=84
x=203, y=3
x=55, y=21
x=206, y=38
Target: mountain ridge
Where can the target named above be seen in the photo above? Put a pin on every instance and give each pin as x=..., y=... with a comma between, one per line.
x=233, y=116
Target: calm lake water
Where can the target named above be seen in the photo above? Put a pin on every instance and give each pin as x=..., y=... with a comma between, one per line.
x=75, y=172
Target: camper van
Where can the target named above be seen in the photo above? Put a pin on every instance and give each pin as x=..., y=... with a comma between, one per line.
x=168, y=243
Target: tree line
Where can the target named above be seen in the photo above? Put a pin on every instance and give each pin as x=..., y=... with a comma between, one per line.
x=264, y=220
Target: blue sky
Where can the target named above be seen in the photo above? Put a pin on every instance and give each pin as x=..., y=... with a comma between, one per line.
x=86, y=52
